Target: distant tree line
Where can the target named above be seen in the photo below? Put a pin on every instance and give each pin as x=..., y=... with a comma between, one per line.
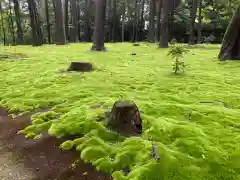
x=39, y=22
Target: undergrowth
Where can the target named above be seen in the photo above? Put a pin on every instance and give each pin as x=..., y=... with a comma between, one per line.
x=195, y=140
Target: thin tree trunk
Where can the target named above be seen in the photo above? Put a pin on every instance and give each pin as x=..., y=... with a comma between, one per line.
x=54, y=9
x=171, y=18
x=11, y=22
x=48, y=22
x=3, y=25
x=123, y=20
x=60, y=27
x=35, y=23
x=18, y=22
x=87, y=35
x=78, y=21
x=73, y=29
x=134, y=22
x=199, y=27
x=159, y=20
x=192, y=21
x=98, y=44
x=110, y=25
x=142, y=23
x=66, y=19
x=114, y=30
x=165, y=22
x=151, y=27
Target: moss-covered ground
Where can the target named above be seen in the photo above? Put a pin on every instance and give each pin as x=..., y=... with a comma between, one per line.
x=193, y=118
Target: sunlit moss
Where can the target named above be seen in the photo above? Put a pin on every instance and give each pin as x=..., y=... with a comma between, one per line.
x=193, y=118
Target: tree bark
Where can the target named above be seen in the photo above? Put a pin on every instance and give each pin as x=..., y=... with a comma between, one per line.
x=125, y=119
x=110, y=24
x=11, y=22
x=48, y=22
x=114, y=22
x=171, y=18
x=35, y=23
x=230, y=49
x=165, y=24
x=199, y=27
x=99, y=34
x=123, y=19
x=151, y=27
x=159, y=12
x=192, y=21
x=87, y=35
x=3, y=25
x=73, y=29
x=78, y=21
x=134, y=34
x=18, y=22
x=142, y=23
x=66, y=19
x=60, y=27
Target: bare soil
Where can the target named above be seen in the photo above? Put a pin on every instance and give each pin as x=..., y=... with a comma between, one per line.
x=22, y=159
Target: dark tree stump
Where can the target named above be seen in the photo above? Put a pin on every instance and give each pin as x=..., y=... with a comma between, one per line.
x=136, y=44
x=80, y=67
x=125, y=119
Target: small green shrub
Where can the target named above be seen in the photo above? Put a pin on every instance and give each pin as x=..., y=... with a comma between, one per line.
x=177, y=52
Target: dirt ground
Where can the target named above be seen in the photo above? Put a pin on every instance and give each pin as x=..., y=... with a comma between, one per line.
x=22, y=159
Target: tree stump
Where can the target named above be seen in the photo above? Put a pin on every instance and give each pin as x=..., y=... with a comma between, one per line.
x=80, y=67
x=136, y=44
x=125, y=119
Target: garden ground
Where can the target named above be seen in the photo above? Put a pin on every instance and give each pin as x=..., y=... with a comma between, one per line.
x=193, y=118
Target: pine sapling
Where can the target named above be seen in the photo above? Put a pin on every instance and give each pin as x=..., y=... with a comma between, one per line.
x=177, y=53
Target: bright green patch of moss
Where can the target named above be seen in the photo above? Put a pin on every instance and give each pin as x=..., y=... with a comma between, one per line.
x=194, y=118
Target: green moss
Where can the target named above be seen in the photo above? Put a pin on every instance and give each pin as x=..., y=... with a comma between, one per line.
x=196, y=140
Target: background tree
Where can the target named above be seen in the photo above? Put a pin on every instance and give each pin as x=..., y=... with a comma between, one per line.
x=98, y=43
x=73, y=27
x=18, y=22
x=35, y=24
x=60, y=27
x=151, y=27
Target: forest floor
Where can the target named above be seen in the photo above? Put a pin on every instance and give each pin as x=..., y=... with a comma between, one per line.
x=22, y=159
x=193, y=118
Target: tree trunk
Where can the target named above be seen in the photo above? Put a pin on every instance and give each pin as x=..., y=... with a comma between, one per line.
x=199, y=27
x=66, y=19
x=159, y=12
x=48, y=22
x=73, y=29
x=98, y=44
x=18, y=22
x=192, y=21
x=125, y=119
x=231, y=41
x=60, y=27
x=87, y=35
x=110, y=25
x=165, y=24
x=35, y=23
x=123, y=19
x=142, y=23
x=151, y=27
x=171, y=18
x=134, y=34
x=3, y=25
x=78, y=21
x=114, y=22
x=11, y=22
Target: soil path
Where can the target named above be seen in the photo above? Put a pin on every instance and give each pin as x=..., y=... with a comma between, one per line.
x=22, y=159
